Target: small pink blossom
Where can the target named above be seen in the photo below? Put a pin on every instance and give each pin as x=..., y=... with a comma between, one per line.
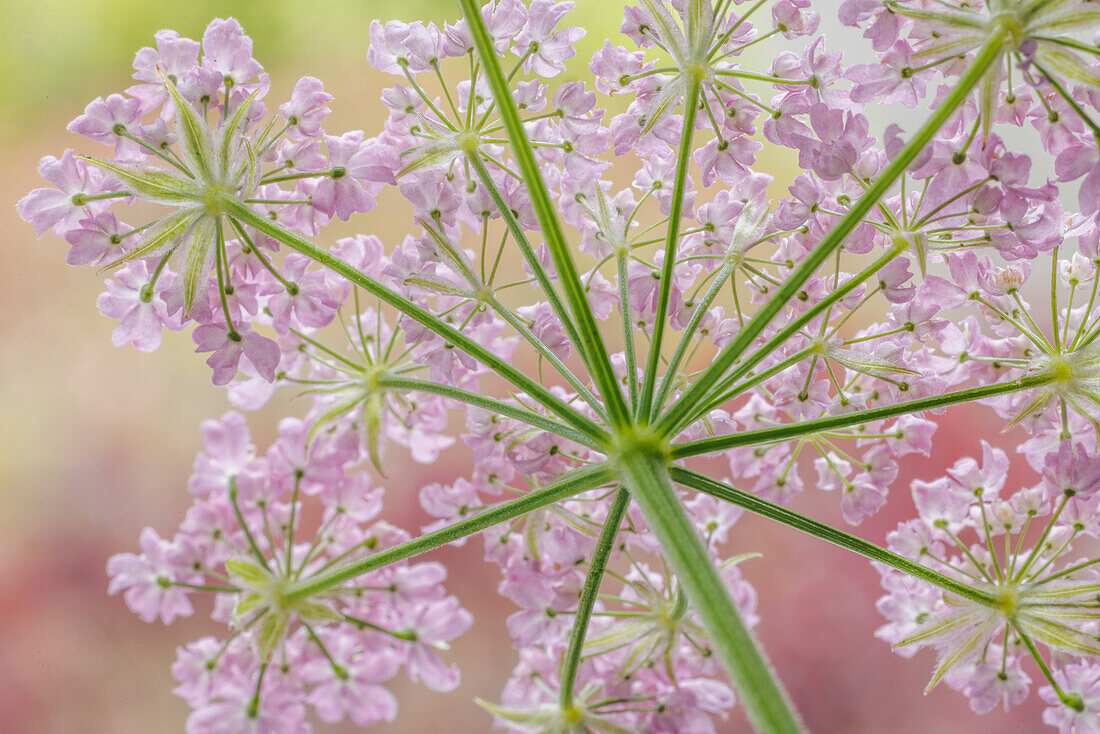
x=146, y=580
x=229, y=345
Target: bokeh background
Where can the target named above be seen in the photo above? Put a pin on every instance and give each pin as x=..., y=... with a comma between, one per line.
x=97, y=442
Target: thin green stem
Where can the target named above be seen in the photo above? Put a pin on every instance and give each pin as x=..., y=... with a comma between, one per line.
x=683, y=162
x=628, y=328
x=526, y=250
x=419, y=314
x=591, y=590
x=255, y=549
x=762, y=507
x=784, y=335
x=574, y=482
x=723, y=274
x=1073, y=701
x=545, y=352
x=486, y=403
x=805, y=428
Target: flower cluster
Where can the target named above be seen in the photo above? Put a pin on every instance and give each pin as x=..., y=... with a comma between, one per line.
x=1018, y=550
x=805, y=338
x=648, y=663
x=248, y=540
x=191, y=132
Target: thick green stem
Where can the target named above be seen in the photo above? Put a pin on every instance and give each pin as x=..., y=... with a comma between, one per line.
x=591, y=343
x=834, y=422
x=645, y=473
x=989, y=53
x=683, y=162
x=246, y=215
x=575, y=482
x=588, y=596
x=756, y=505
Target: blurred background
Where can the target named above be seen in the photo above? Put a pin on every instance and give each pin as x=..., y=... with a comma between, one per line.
x=97, y=442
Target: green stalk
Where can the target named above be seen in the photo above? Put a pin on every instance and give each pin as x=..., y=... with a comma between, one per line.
x=628, y=328
x=591, y=590
x=540, y=275
x=564, y=487
x=988, y=54
x=502, y=367
x=486, y=403
x=683, y=162
x=756, y=505
x=727, y=270
x=524, y=331
x=644, y=470
x=844, y=420
x=591, y=343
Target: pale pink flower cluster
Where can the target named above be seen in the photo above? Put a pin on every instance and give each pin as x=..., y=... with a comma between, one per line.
x=927, y=295
x=257, y=514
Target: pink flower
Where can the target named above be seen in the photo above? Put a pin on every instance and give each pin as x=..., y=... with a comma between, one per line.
x=1080, y=680
x=143, y=313
x=435, y=624
x=146, y=580
x=229, y=345
x=227, y=450
x=357, y=168
x=61, y=209
x=277, y=710
x=177, y=57
x=891, y=81
x=306, y=109
x=544, y=48
x=97, y=236
x=1075, y=162
x=228, y=51
x=355, y=692
x=308, y=298
x=107, y=121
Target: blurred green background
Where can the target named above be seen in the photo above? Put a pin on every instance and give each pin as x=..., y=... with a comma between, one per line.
x=97, y=442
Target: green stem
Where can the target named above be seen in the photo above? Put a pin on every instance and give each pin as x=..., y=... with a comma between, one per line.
x=255, y=549
x=621, y=255
x=762, y=507
x=806, y=428
x=419, y=314
x=716, y=286
x=532, y=261
x=781, y=338
x=486, y=403
x=599, y=361
x=1073, y=700
x=591, y=590
x=989, y=53
x=646, y=474
x=572, y=483
x=683, y=162
x=544, y=352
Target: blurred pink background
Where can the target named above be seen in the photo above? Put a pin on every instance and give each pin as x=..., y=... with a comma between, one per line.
x=97, y=442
